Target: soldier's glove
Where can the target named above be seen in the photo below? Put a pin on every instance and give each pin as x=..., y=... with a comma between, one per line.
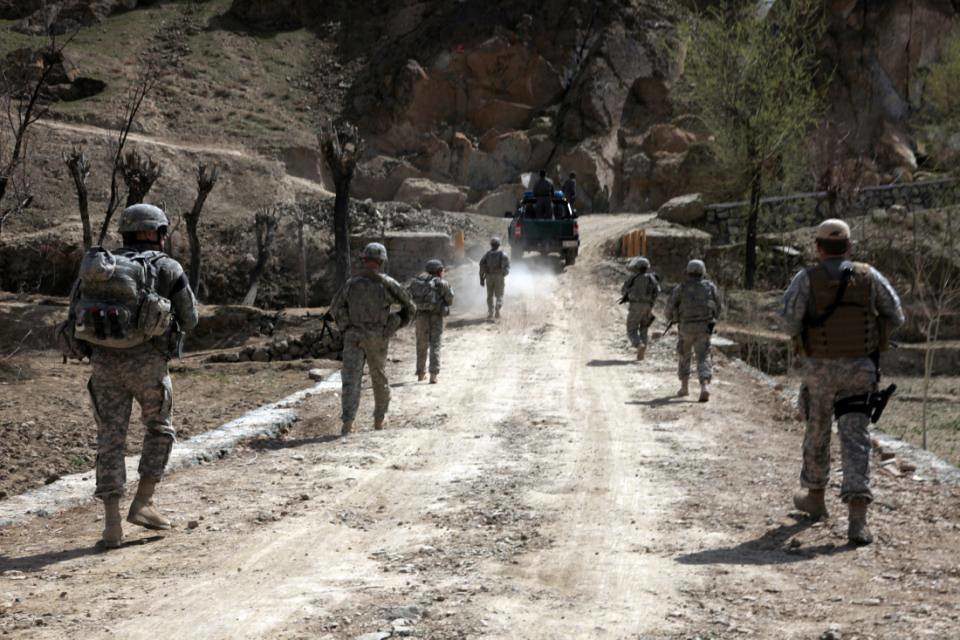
x=394, y=322
x=483, y=281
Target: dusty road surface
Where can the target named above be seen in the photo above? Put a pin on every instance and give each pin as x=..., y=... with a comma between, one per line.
x=549, y=487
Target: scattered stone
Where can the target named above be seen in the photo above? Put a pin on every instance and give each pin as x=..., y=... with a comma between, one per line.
x=317, y=374
x=832, y=633
x=376, y=635
x=193, y=524
x=906, y=467
x=887, y=455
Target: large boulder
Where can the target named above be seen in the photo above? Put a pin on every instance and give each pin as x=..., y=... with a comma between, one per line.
x=429, y=194
x=381, y=176
x=496, y=202
x=667, y=138
x=683, y=209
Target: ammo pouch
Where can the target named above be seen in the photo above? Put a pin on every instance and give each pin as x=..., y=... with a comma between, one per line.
x=67, y=343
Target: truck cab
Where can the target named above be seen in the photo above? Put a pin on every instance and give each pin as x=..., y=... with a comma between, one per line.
x=545, y=225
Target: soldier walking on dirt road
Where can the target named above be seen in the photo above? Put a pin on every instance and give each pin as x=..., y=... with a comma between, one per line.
x=129, y=309
x=640, y=291
x=362, y=309
x=494, y=268
x=840, y=313
x=433, y=296
x=694, y=306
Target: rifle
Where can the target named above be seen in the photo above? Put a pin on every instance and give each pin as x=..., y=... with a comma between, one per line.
x=667, y=330
x=878, y=402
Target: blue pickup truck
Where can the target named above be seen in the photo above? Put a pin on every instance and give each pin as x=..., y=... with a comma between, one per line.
x=544, y=227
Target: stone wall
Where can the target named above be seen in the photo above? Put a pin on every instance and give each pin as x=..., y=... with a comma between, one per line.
x=407, y=252
x=726, y=222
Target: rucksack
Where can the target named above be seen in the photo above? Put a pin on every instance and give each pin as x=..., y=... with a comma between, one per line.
x=118, y=305
x=425, y=293
x=367, y=303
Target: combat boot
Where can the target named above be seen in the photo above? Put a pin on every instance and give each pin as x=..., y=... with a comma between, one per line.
x=142, y=510
x=858, y=533
x=812, y=503
x=421, y=377
x=378, y=424
x=496, y=314
x=489, y=316
x=704, y=391
x=346, y=428
x=684, y=388
x=112, y=527
x=641, y=351
x=433, y=378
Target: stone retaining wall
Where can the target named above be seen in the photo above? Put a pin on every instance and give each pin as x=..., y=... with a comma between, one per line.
x=407, y=252
x=726, y=222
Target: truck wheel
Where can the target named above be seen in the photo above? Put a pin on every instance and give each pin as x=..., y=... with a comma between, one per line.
x=570, y=257
x=516, y=253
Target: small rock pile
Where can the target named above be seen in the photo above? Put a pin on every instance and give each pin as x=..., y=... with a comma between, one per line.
x=312, y=344
x=368, y=216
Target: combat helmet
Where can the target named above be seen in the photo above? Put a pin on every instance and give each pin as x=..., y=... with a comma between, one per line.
x=376, y=252
x=639, y=264
x=495, y=242
x=433, y=267
x=143, y=217
x=696, y=268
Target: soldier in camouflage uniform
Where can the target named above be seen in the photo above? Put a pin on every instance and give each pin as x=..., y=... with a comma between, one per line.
x=120, y=375
x=640, y=291
x=694, y=306
x=494, y=268
x=430, y=313
x=362, y=309
x=839, y=312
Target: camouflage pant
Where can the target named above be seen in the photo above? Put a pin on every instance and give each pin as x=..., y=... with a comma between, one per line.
x=825, y=382
x=359, y=348
x=695, y=339
x=495, y=284
x=639, y=319
x=429, y=338
x=119, y=376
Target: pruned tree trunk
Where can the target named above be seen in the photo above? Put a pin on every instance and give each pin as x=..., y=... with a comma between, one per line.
x=753, y=217
x=265, y=224
x=342, y=148
x=79, y=167
x=206, y=180
x=302, y=248
x=139, y=174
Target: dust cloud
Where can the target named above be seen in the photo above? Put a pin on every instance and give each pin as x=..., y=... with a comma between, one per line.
x=532, y=282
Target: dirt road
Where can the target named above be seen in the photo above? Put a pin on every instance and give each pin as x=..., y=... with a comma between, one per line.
x=548, y=487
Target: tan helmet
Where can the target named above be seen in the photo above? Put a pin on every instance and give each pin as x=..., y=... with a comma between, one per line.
x=376, y=252
x=833, y=229
x=433, y=267
x=142, y=217
x=696, y=268
x=639, y=264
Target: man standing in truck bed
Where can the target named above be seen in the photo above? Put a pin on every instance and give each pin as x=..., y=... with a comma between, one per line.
x=494, y=268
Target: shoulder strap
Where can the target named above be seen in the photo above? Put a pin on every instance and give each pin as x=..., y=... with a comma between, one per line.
x=821, y=319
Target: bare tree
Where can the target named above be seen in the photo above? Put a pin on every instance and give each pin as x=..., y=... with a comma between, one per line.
x=342, y=147
x=134, y=101
x=139, y=173
x=303, y=215
x=79, y=167
x=206, y=179
x=22, y=106
x=265, y=225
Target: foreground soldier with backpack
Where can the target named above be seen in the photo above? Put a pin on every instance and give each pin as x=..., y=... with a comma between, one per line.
x=839, y=314
x=128, y=312
x=362, y=310
x=433, y=296
x=640, y=290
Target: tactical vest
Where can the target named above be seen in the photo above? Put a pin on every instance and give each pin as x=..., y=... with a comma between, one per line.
x=853, y=329
x=494, y=262
x=425, y=293
x=697, y=303
x=367, y=303
x=643, y=288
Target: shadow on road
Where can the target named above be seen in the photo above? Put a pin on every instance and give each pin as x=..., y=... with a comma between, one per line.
x=773, y=547
x=466, y=322
x=273, y=445
x=40, y=561
x=660, y=402
x=610, y=363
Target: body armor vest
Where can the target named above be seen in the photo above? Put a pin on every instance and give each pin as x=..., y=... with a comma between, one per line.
x=853, y=329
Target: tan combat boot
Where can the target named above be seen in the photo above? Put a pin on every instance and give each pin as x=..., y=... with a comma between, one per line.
x=378, y=424
x=704, y=391
x=112, y=528
x=496, y=314
x=142, y=510
x=858, y=533
x=433, y=378
x=684, y=388
x=346, y=428
x=641, y=351
x=421, y=377
x=812, y=503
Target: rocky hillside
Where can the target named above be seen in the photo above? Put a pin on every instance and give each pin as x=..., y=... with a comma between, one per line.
x=455, y=99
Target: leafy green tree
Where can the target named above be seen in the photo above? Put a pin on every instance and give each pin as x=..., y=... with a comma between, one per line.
x=754, y=82
x=942, y=94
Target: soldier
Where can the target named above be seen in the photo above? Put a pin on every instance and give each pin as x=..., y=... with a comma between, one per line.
x=362, y=309
x=433, y=296
x=131, y=308
x=494, y=268
x=570, y=189
x=840, y=312
x=543, y=192
x=640, y=290
x=695, y=306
